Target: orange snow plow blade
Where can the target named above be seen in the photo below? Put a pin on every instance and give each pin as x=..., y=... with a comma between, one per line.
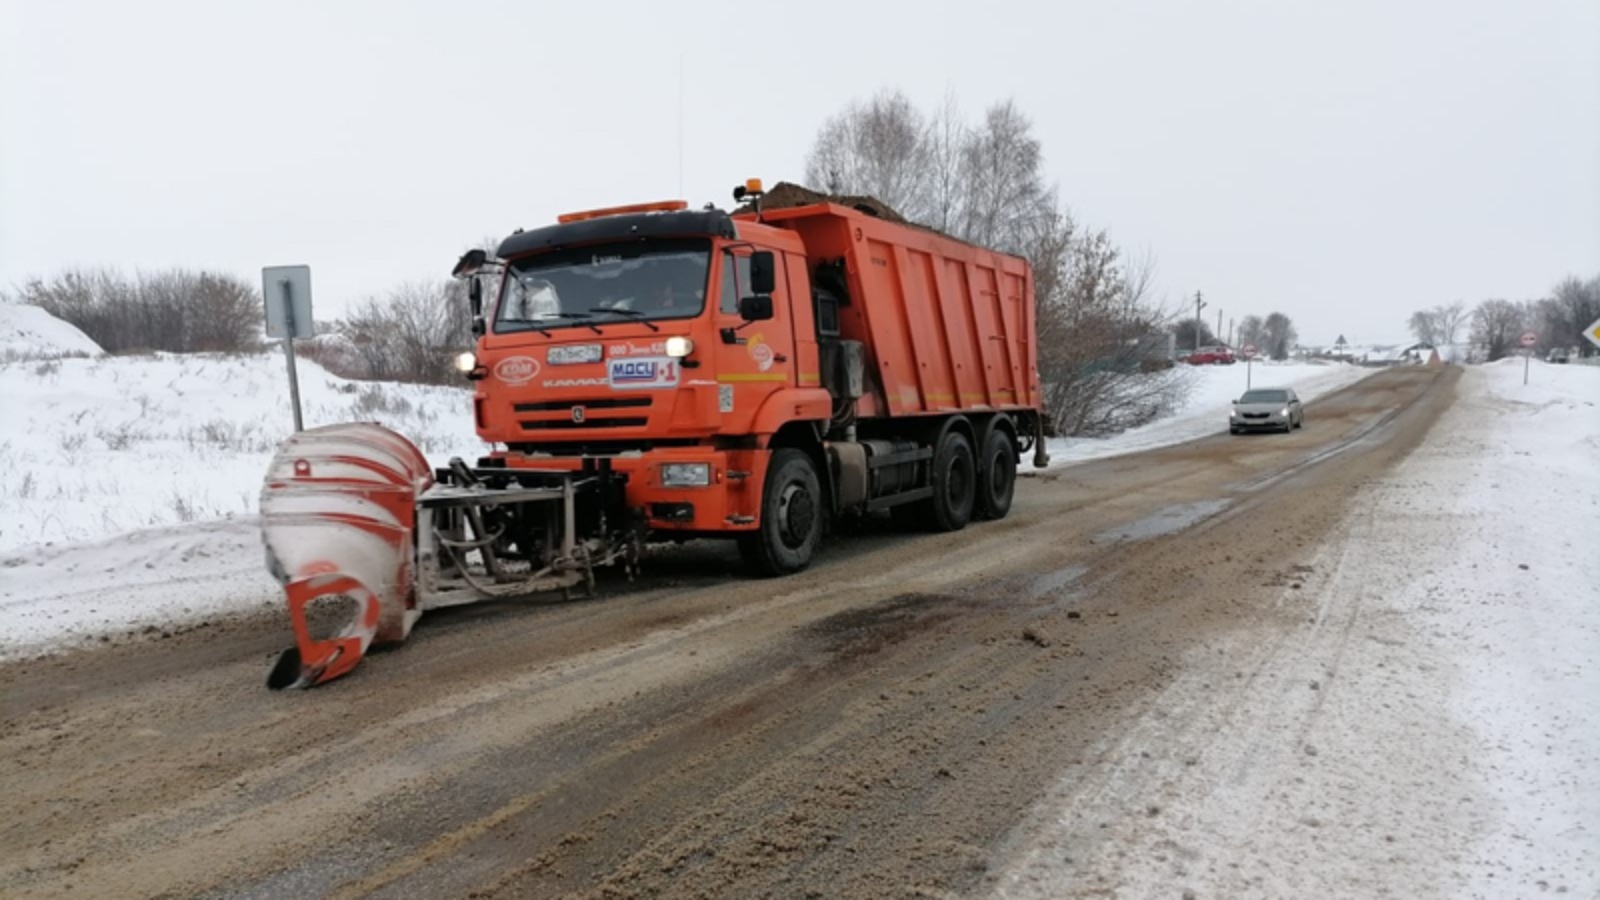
x=338, y=517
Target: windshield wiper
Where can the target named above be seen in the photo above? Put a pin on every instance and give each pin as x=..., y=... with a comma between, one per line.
x=626, y=312
x=521, y=325
x=581, y=317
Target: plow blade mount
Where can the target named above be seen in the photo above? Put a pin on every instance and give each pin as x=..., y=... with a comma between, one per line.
x=338, y=516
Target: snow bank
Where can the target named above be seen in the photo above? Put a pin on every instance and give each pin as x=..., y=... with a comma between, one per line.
x=30, y=333
x=1204, y=410
x=156, y=579
x=95, y=447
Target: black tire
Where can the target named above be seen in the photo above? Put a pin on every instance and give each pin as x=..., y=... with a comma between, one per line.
x=792, y=509
x=955, y=484
x=997, y=476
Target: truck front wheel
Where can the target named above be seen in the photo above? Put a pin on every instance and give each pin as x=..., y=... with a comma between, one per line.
x=792, y=507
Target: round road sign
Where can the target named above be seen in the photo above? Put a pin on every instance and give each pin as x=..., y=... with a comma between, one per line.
x=1250, y=348
x=1529, y=339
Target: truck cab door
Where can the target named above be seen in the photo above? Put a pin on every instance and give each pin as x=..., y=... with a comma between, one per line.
x=760, y=359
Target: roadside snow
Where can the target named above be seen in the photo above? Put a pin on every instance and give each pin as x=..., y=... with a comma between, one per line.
x=30, y=333
x=1433, y=730
x=96, y=447
x=156, y=579
x=1204, y=410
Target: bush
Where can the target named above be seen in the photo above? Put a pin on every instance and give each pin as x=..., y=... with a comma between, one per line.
x=176, y=310
x=412, y=334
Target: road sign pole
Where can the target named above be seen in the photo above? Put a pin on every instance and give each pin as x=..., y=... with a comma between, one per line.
x=1526, y=355
x=288, y=352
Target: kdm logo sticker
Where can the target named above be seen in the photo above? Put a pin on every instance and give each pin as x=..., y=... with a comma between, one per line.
x=516, y=369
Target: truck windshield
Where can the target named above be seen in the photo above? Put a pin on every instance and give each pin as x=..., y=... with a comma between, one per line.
x=663, y=279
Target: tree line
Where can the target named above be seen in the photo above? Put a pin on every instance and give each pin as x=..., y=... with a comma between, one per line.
x=1273, y=336
x=1495, y=326
x=410, y=333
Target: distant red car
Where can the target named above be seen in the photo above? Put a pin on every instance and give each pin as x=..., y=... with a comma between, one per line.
x=1212, y=356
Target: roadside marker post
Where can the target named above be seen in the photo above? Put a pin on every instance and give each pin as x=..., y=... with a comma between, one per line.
x=1528, y=340
x=287, y=291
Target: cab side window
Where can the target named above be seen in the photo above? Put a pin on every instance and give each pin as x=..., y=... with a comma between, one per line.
x=735, y=281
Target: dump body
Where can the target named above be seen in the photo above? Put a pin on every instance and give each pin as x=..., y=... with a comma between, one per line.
x=947, y=326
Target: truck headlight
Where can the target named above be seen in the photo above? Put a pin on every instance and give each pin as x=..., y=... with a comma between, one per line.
x=679, y=347
x=685, y=474
x=466, y=362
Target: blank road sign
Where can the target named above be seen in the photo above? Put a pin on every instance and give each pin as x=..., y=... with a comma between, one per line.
x=287, y=288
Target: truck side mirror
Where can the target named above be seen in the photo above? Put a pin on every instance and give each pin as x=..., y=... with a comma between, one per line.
x=469, y=263
x=763, y=276
x=757, y=308
x=475, y=303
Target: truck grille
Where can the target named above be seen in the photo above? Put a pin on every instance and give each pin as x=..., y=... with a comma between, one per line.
x=568, y=424
x=598, y=412
x=597, y=403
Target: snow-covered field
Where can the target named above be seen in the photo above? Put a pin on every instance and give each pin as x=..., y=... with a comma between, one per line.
x=130, y=483
x=1204, y=410
x=94, y=447
x=1449, y=742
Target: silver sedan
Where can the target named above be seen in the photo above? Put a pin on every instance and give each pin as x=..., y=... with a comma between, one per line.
x=1266, y=408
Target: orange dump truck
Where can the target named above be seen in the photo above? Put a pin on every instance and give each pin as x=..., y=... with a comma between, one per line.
x=652, y=371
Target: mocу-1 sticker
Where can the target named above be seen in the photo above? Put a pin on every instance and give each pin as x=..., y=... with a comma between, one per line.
x=643, y=372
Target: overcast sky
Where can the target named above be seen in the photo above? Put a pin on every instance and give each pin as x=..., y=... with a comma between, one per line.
x=1343, y=162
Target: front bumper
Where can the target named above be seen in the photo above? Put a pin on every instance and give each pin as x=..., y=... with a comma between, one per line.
x=729, y=502
x=1272, y=420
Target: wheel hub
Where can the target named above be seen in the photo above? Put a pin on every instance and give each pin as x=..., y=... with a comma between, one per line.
x=796, y=514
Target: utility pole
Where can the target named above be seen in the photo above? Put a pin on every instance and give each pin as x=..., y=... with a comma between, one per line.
x=1230, y=332
x=1219, y=324
x=1198, y=322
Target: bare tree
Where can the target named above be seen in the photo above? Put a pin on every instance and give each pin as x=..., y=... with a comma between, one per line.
x=1005, y=197
x=1495, y=325
x=411, y=333
x=1279, y=335
x=877, y=149
x=946, y=138
x=1449, y=317
x=1252, y=332
x=1425, y=326
x=1573, y=305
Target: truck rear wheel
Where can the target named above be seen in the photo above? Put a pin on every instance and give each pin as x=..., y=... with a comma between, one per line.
x=792, y=507
x=997, y=476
